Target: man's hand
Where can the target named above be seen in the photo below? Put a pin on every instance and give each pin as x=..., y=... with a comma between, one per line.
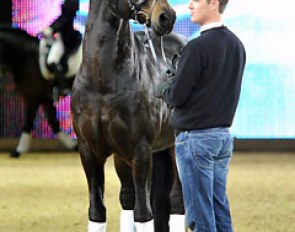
x=163, y=86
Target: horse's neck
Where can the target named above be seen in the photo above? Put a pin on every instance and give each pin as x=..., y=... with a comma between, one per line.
x=107, y=44
x=105, y=31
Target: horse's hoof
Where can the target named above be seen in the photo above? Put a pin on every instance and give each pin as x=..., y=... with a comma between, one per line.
x=14, y=154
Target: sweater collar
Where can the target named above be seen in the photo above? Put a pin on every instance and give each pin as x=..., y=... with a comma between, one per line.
x=210, y=26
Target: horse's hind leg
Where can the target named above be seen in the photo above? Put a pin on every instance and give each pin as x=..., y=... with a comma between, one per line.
x=167, y=200
x=127, y=195
x=50, y=111
x=94, y=171
x=24, y=143
x=162, y=180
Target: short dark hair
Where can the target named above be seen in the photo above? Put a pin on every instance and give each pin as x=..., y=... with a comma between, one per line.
x=222, y=5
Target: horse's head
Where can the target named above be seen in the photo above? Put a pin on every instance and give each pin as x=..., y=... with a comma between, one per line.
x=157, y=14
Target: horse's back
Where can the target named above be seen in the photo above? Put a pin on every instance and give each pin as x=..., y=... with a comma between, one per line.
x=19, y=54
x=5, y=27
x=14, y=35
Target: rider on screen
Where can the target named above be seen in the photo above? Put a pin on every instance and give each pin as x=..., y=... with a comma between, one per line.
x=66, y=39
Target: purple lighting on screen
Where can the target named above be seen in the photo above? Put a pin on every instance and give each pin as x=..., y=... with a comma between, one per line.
x=34, y=15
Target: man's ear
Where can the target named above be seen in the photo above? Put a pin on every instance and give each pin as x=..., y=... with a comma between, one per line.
x=214, y=4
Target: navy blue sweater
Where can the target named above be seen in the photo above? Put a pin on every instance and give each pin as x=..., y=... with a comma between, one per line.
x=207, y=83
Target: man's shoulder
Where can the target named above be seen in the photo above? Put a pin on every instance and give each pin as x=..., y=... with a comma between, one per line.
x=196, y=42
x=231, y=33
x=199, y=43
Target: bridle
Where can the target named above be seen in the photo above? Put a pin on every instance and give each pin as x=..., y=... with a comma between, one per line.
x=135, y=8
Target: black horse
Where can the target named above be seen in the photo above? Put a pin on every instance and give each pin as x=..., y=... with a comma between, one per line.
x=19, y=55
x=115, y=112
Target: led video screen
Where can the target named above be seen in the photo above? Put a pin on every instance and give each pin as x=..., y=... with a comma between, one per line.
x=267, y=107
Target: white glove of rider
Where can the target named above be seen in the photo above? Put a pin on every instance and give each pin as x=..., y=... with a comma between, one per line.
x=47, y=32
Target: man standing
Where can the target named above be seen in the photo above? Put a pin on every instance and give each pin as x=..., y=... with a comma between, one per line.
x=204, y=94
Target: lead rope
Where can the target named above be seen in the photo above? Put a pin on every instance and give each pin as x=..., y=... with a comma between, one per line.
x=168, y=72
x=147, y=33
x=133, y=8
x=163, y=51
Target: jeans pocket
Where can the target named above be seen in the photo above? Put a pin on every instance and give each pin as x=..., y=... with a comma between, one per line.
x=204, y=151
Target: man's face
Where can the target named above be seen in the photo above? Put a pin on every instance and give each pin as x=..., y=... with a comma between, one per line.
x=200, y=11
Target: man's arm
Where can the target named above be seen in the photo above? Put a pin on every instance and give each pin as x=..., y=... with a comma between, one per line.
x=176, y=90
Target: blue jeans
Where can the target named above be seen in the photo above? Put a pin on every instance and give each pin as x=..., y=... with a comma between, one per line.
x=203, y=158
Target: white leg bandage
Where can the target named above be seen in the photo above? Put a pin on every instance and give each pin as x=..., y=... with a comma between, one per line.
x=127, y=221
x=66, y=140
x=177, y=223
x=145, y=226
x=97, y=226
x=24, y=143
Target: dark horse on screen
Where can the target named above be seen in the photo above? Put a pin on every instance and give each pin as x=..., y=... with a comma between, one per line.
x=115, y=112
x=19, y=56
